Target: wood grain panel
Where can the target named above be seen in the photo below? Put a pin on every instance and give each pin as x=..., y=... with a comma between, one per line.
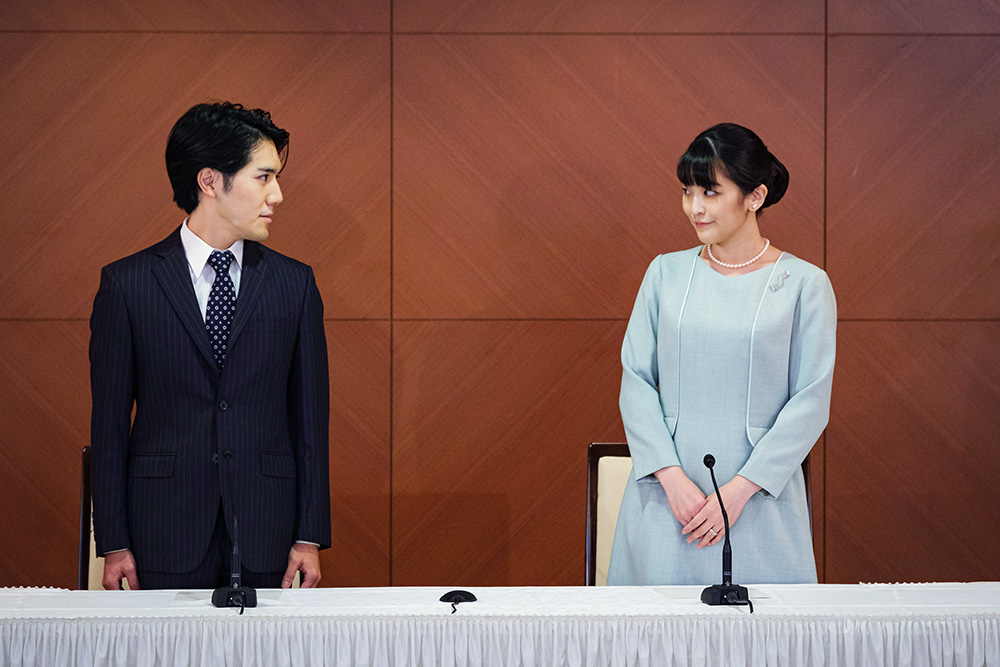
x=83, y=180
x=45, y=412
x=911, y=453
x=491, y=423
x=359, y=454
x=189, y=15
x=534, y=177
x=912, y=173
x=617, y=16
x=923, y=16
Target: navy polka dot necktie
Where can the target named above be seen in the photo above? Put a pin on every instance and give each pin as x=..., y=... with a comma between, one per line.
x=221, y=304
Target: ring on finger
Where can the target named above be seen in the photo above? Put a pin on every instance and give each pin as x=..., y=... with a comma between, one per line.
x=714, y=533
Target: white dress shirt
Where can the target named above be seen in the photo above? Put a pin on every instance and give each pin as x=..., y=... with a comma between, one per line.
x=202, y=273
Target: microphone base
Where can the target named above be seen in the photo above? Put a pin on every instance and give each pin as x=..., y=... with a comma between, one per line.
x=235, y=596
x=723, y=594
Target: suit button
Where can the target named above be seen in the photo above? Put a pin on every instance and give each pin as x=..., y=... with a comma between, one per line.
x=223, y=406
x=215, y=458
x=227, y=454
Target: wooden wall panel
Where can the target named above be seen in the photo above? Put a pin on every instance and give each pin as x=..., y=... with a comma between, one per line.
x=359, y=454
x=491, y=422
x=84, y=163
x=192, y=16
x=45, y=418
x=615, y=16
x=912, y=173
x=922, y=16
x=535, y=177
x=531, y=184
x=911, y=454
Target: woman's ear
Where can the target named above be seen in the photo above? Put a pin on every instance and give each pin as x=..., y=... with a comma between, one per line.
x=756, y=198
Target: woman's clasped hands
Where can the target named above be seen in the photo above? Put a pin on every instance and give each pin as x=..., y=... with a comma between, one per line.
x=701, y=517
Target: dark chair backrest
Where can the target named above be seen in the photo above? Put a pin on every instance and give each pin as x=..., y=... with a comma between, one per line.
x=83, y=568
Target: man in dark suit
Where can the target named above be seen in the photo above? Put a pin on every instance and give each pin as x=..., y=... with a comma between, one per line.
x=217, y=344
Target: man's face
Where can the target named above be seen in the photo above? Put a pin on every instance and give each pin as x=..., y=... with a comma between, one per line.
x=247, y=205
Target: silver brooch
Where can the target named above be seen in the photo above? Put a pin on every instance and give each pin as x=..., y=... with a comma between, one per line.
x=781, y=281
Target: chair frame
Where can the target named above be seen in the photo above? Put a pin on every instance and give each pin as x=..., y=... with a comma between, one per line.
x=83, y=569
x=598, y=450
x=595, y=452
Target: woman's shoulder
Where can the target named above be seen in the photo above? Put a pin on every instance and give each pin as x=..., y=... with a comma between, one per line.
x=811, y=279
x=790, y=262
x=676, y=259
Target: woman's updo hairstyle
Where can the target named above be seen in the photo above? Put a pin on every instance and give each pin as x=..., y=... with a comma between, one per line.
x=739, y=155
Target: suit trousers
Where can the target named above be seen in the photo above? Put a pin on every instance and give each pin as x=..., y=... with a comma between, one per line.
x=214, y=571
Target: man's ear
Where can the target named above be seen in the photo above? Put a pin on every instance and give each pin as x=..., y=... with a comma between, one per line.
x=210, y=182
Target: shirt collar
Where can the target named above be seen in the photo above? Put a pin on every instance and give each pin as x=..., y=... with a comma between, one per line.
x=197, y=251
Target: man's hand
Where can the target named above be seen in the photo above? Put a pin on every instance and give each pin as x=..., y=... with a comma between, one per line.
x=302, y=558
x=119, y=565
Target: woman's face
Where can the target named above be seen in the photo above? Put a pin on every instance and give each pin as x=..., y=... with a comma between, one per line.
x=720, y=215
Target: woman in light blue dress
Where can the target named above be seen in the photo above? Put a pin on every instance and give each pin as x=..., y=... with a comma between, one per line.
x=729, y=351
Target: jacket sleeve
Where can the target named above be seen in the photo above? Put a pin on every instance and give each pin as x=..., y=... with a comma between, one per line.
x=801, y=421
x=309, y=416
x=649, y=440
x=112, y=379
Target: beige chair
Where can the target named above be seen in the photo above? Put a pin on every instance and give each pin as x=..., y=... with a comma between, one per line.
x=608, y=469
x=90, y=572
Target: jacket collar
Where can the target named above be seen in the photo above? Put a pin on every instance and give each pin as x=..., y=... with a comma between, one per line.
x=173, y=274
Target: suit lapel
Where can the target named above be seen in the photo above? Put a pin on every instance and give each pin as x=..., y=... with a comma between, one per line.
x=174, y=276
x=252, y=275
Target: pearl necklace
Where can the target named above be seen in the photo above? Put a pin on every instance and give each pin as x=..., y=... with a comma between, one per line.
x=767, y=244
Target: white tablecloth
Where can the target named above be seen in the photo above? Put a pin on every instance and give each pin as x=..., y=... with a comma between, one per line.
x=822, y=625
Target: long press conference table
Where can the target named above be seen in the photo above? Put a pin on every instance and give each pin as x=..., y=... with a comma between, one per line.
x=794, y=625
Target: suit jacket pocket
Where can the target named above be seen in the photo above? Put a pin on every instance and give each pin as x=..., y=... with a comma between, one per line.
x=277, y=465
x=152, y=465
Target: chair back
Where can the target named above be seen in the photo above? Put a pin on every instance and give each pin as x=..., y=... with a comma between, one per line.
x=89, y=570
x=609, y=467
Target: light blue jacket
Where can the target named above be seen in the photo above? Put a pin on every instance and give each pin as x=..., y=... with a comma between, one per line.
x=792, y=356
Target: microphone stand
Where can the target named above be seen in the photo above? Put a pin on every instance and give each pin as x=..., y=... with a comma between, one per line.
x=234, y=595
x=727, y=593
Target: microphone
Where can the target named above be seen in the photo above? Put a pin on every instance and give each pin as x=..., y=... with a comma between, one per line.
x=727, y=593
x=235, y=595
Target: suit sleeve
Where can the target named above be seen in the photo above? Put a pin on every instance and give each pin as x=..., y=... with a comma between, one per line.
x=112, y=381
x=649, y=441
x=801, y=421
x=309, y=406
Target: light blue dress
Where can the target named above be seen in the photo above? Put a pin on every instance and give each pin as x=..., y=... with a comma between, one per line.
x=740, y=367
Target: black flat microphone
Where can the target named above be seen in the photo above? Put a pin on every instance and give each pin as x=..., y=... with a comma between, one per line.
x=235, y=595
x=727, y=593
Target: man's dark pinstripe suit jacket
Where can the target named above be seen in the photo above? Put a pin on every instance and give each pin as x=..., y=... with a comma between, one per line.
x=263, y=421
